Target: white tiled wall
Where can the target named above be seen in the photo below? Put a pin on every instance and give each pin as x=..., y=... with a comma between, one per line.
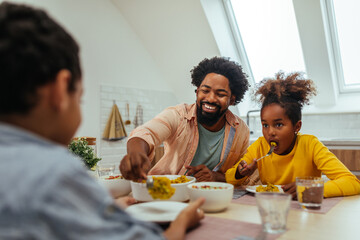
x=152, y=102
x=323, y=126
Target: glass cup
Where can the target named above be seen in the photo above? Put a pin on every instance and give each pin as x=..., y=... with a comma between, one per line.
x=105, y=170
x=310, y=192
x=273, y=209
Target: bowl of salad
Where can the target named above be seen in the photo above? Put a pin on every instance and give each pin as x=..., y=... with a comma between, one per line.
x=116, y=184
x=218, y=195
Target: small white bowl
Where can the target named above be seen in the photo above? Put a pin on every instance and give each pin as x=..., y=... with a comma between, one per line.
x=140, y=192
x=117, y=187
x=216, y=199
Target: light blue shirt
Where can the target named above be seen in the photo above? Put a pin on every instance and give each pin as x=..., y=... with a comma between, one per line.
x=209, y=148
x=46, y=193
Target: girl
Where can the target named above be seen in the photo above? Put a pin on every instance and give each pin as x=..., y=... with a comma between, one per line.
x=295, y=154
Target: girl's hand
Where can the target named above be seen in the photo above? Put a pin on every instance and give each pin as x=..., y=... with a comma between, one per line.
x=290, y=188
x=246, y=170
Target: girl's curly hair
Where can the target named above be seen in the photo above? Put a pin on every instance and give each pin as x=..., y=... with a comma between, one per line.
x=290, y=91
x=231, y=70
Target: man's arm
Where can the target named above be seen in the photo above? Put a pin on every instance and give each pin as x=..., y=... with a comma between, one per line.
x=136, y=164
x=204, y=174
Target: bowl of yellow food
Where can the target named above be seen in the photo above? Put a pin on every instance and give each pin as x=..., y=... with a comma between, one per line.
x=166, y=187
x=116, y=184
x=218, y=195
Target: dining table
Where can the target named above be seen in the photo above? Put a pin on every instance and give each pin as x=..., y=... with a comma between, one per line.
x=339, y=219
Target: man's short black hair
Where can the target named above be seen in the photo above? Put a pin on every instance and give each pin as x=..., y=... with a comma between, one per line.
x=33, y=49
x=231, y=70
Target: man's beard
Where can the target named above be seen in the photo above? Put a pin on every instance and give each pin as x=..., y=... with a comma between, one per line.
x=208, y=119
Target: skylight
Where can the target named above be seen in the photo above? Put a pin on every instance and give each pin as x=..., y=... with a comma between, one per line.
x=269, y=33
x=347, y=20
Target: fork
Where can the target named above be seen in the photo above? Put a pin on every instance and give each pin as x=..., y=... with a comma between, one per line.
x=273, y=145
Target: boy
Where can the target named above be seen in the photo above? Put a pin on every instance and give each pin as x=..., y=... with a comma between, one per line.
x=45, y=193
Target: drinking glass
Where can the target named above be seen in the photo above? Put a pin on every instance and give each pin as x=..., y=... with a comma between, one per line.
x=310, y=192
x=105, y=170
x=273, y=209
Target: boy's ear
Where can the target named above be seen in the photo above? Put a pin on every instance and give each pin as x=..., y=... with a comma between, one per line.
x=298, y=126
x=232, y=100
x=59, y=91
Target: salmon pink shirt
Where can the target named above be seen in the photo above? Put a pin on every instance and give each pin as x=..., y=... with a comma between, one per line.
x=177, y=128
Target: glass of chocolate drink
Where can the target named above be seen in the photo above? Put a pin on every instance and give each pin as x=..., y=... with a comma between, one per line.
x=310, y=192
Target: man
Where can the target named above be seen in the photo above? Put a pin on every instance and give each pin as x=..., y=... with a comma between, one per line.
x=45, y=192
x=203, y=139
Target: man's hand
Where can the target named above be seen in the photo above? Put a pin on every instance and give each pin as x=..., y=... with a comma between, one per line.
x=136, y=164
x=204, y=174
x=245, y=170
x=188, y=218
x=290, y=188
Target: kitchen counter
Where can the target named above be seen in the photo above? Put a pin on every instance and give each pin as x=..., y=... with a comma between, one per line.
x=341, y=142
x=334, y=142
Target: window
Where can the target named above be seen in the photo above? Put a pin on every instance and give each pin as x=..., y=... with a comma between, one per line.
x=268, y=32
x=343, y=19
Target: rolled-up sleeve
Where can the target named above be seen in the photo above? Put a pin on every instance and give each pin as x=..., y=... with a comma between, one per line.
x=158, y=129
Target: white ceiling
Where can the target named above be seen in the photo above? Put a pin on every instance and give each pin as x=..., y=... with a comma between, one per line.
x=176, y=34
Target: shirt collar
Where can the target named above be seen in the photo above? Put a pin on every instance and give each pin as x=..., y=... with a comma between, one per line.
x=15, y=134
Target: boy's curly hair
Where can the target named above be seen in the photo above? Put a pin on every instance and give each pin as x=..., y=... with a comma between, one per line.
x=33, y=49
x=238, y=82
x=290, y=91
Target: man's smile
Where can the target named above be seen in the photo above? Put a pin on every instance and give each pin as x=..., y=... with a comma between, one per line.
x=209, y=107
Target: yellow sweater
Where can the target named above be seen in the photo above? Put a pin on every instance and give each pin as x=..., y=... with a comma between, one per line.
x=309, y=157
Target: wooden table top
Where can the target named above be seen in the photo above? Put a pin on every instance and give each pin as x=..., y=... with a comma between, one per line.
x=340, y=222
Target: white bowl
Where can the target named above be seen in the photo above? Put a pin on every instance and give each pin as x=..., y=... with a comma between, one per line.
x=140, y=192
x=117, y=187
x=216, y=199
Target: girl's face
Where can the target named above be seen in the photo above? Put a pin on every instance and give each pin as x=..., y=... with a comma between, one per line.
x=278, y=128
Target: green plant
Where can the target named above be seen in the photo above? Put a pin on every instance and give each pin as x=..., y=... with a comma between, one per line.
x=81, y=148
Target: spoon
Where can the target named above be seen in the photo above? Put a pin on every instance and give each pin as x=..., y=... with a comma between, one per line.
x=149, y=182
x=272, y=146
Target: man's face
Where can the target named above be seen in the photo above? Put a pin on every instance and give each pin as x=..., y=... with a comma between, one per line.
x=213, y=97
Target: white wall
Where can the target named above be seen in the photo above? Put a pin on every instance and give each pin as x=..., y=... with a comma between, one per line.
x=111, y=52
x=176, y=34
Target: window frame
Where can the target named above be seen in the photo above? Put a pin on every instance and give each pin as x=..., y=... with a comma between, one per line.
x=238, y=39
x=331, y=35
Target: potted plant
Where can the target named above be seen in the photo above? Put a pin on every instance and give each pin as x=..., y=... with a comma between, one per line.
x=80, y=147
